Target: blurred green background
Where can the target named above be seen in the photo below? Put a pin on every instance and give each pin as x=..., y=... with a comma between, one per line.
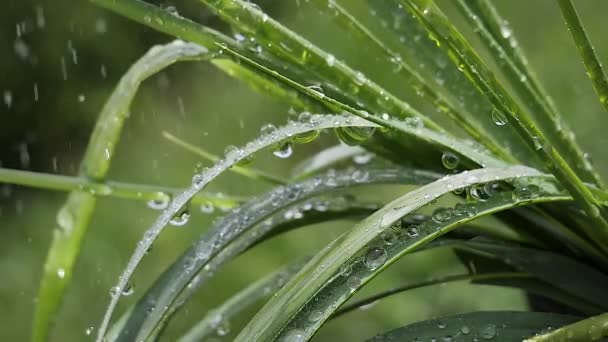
x=60, y=61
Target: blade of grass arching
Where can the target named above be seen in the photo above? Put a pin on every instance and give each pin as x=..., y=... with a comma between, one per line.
x=294, y=48
x=521, y=80
x=594, y=69
x=200, y=180
x=484, y=80
x=138, y=192
x=248, y=172
x=240, y=301
x=586, y=330
x=232, y=235
x=414, y=80
x=426, y=283
x=74, y=217
x=478, y=326
x=416, y=46
x=346, y=264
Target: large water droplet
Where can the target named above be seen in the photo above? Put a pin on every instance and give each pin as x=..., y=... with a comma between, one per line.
x=375, y=257
x=353, y=282
x=268, y=129
x=161, y=203
x=441, y=215
x=499, y=118
x=283, y=150
x=449, y=160
x=526, y=192
x=129, y=290
x=354, y=135
x=488, y=332
x=180, y=219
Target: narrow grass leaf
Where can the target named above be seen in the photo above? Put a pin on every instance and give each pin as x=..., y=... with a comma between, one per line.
x=589, y=329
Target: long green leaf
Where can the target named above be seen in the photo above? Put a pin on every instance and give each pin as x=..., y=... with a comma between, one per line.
x=522, y=82
x=507, y=326
x=199, y=181
x=589, y=329
x=594, y=69
x=139, y=192
x=74, y=217
x=446, y=35
x=243, y=228
x=354, y=258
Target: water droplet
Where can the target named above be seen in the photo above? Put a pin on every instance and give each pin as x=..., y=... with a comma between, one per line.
x=283, y=150
x=330, y=60
x=538, y=144
x=505, y=30
x=315, y=315
x=317, y=90
x=353, y=282
x=197, y=179
x=413, y=231
x=89, y=331
x=471, y=210
x=360, y=176
x=449, y=160
x=478, y=192
x=364, y=158
x=354, y=135
x=499, y=118
x=129, y=290
x=441, y=215
x=295, y=335
x=180, y=219
x=389, y=238
x=460, y=209
x=441, y=325
x=161, y=203
x=526, y=192
x=346, y=270
x=60, y=273
x=465, y=330
x=207, y=208
x=114, y=290
x=488, y=332
x=268, y=129
x=306, y=137
x=375, y=257
x=223, y=328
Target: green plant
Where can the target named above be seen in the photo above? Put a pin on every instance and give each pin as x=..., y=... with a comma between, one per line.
x=519, y=162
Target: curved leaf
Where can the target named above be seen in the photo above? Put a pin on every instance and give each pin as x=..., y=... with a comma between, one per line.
x=507, y=326
x=242, y=228
x=333, y=275
x=589, y=329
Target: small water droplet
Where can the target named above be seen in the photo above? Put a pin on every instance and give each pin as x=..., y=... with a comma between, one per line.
x=441, y=325
x=526, y=192
x=89, y=331
x=330, y=60
x=60, y=273
x=449, y=160
x=161, y=203
x=283, y=150
x=499, y=118
x=268, y=129
x=207, y=208
x=375, y=257
x=353, y=282
x=413, y=231
x=364, y=158
x=129, y=290
x=488, y=332
x=223, y=328
x=465, y=330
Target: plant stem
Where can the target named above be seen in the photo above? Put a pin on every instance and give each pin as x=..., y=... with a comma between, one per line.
x=130, y=191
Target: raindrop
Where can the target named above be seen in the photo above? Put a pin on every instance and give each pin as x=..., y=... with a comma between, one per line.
x=315, y=315
x=354, y=135
x=283, y=150
x=129, y=290
x=413, y=231
x=465, y=330
x=223, y=328
x=538, y=144
x=180, y=219
x=317, y=89
x=460, y=209
x=353, y=282
x=375, y=257
x=364, y=158
x=505, y=30
x=268, y=129
x=60, y=273
x=441, y=325
x=197, y=179
x=389, y=238
x=441, y=215
x=488, y=332
x=499, y=118
x=295, y=335
x=449, y=160
x=207, y=208
x=471, y=210
x=81, y=98
x=161, y=203
x=478, y=192
x=306, y=137
x=114, y=290
x=525, y=192
x=330, y=60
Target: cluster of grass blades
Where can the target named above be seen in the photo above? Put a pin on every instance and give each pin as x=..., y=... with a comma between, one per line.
x=517, y=161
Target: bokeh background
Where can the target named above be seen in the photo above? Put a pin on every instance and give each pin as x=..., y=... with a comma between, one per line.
x=60, y=61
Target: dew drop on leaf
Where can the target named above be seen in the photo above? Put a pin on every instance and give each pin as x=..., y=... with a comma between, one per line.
x=161, y=203
x=268, y=129
x=180, y=219
x=354, y=135
x=375, y=257
x=441, y=215
x=526, y=192
x=283, y=150
x=449, y=160
x=488, y=332
x=499, y=118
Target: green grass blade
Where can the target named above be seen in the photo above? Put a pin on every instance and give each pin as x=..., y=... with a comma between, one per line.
x=446, y=35
x=297, y=50
x=138, y=192
x=415, y=80
x=478, y=326
x=586, y=330
x=336, y=272
x=248, y=172
x=594, y=69
x=426, y=283
x=200, y=180
x=524, y=85
x=232, y=235
x=75, y=215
